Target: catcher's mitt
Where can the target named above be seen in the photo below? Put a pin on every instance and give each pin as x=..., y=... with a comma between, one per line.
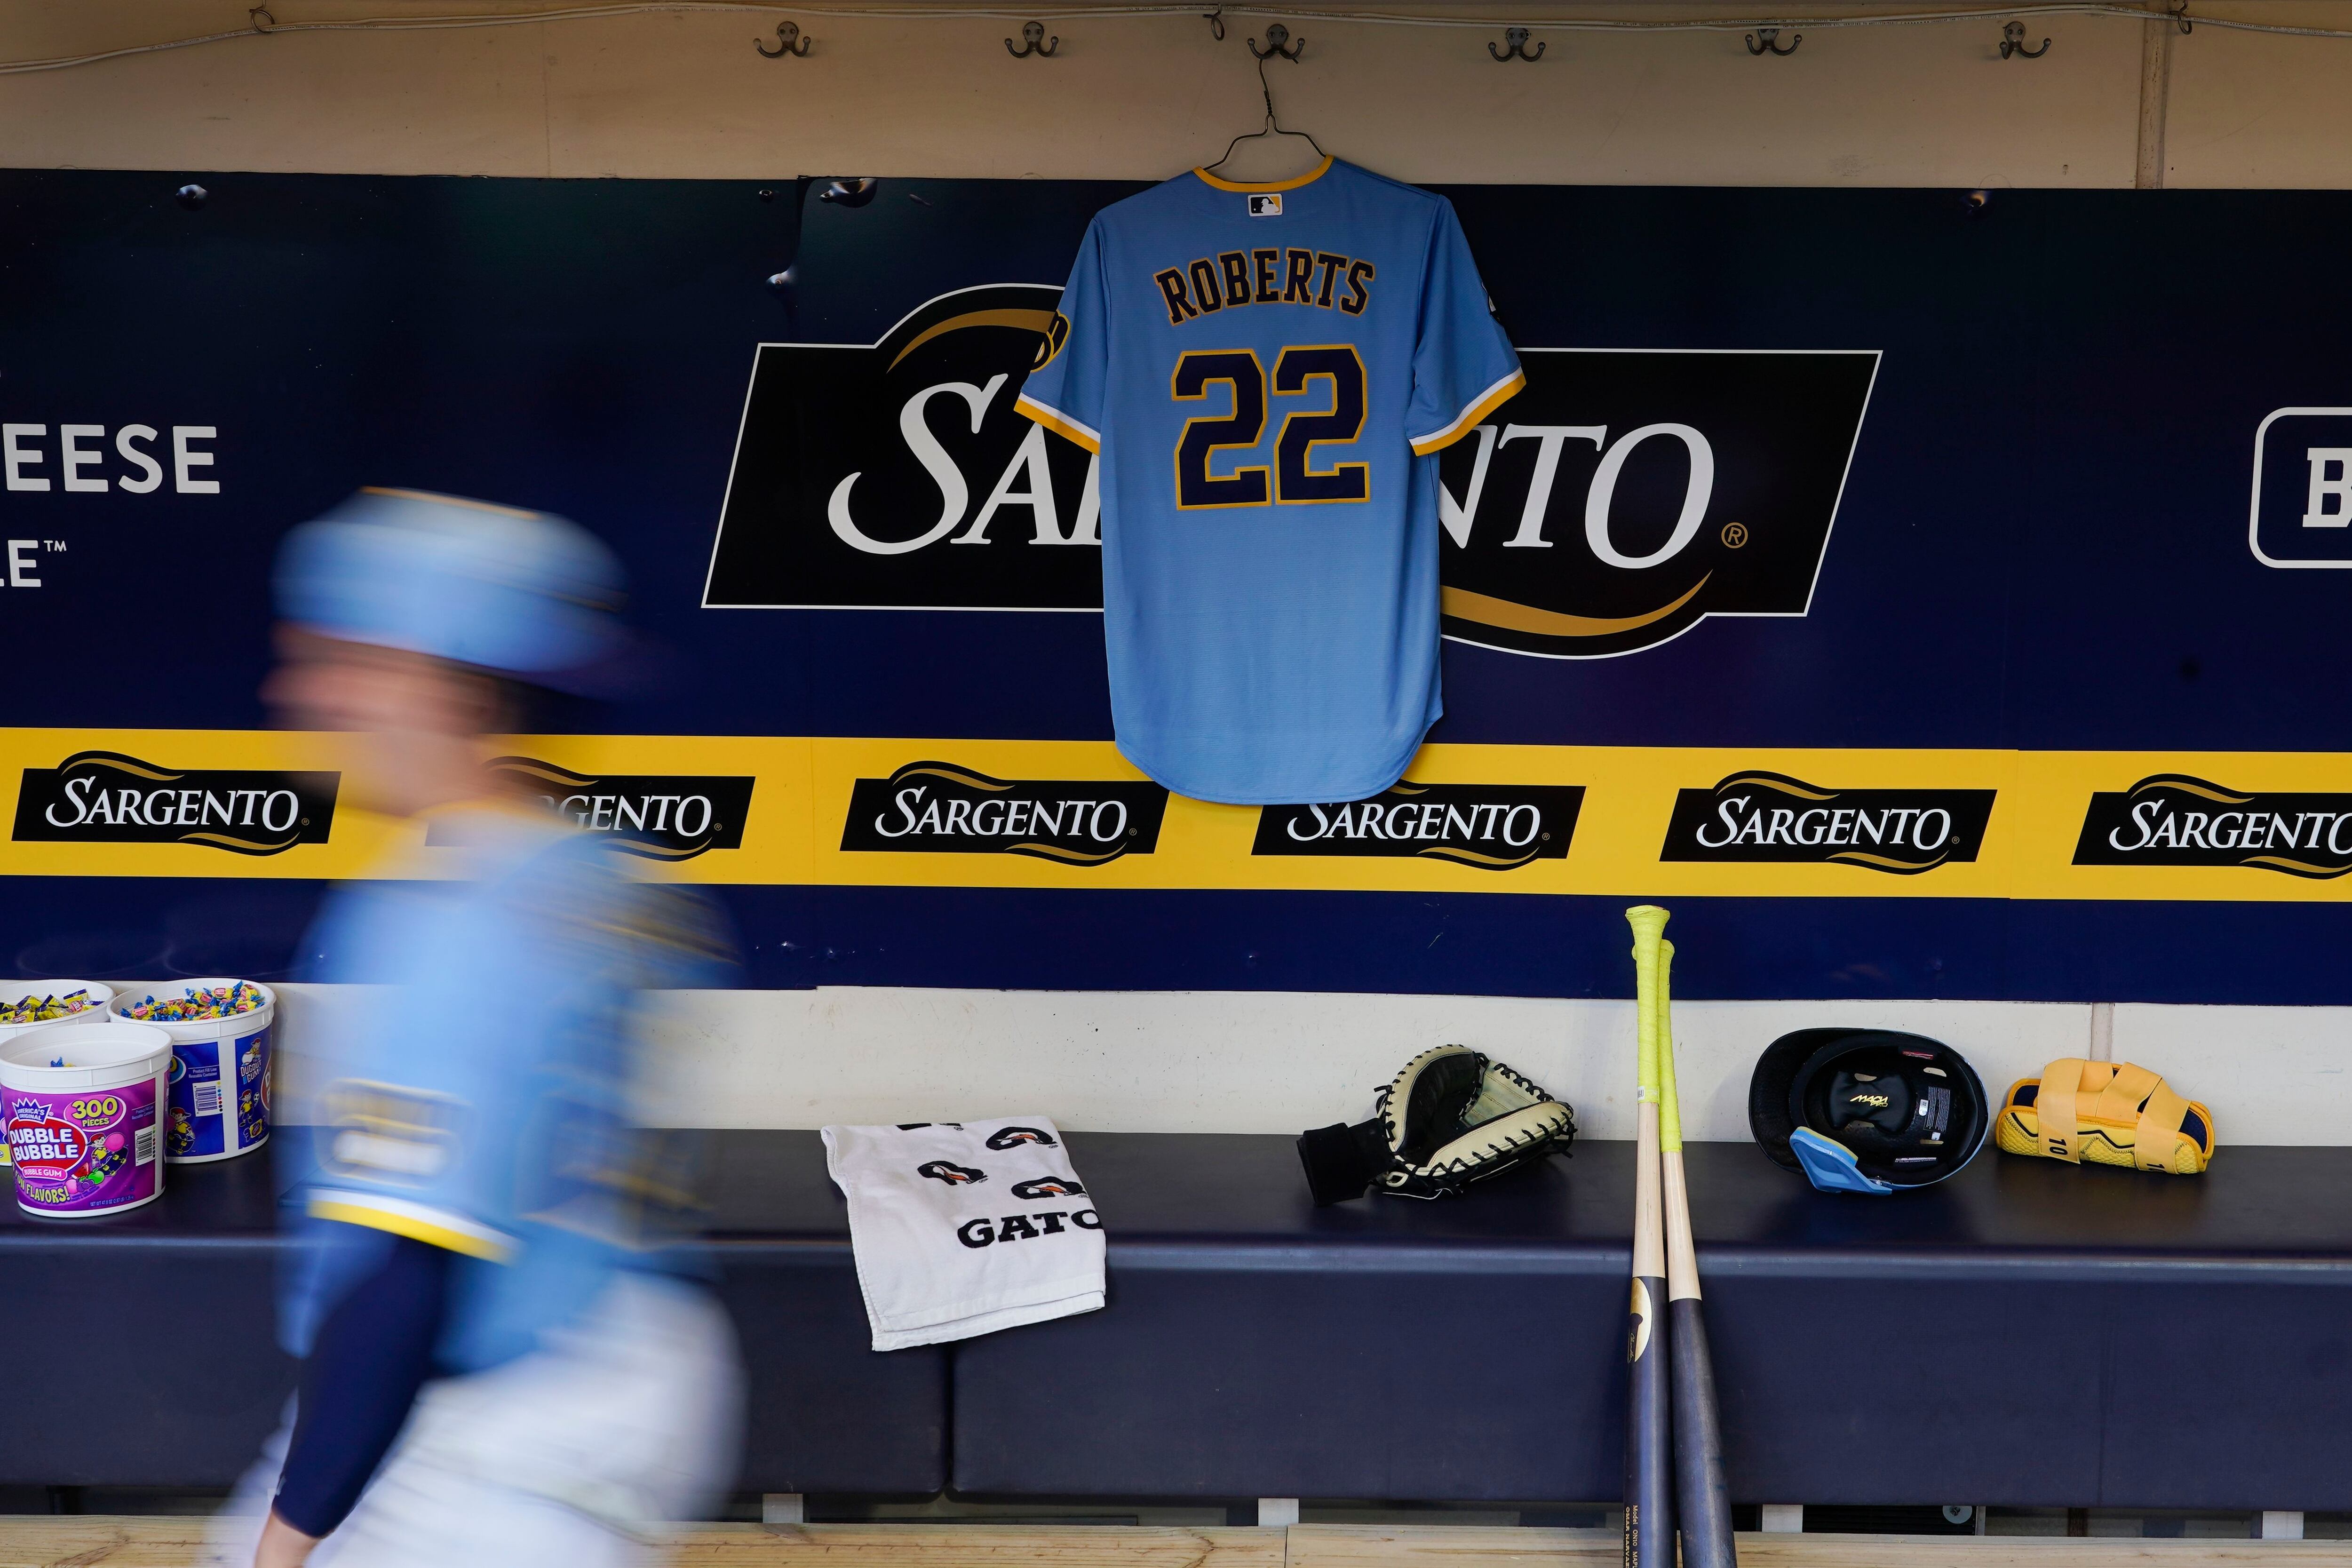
x=1450, y=1117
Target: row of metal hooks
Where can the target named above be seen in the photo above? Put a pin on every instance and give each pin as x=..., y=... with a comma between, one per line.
x=792, y=41
x=1762, y=41
x=1280, y=45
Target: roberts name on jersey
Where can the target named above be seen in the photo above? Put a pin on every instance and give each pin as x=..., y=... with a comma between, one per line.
x=1250, y=278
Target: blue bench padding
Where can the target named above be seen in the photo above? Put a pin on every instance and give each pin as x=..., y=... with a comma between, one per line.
x=2025, y=1335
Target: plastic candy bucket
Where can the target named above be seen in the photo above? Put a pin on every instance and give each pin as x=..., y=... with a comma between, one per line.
x=85, y=1137
x=218, y=1107
x=14, y=991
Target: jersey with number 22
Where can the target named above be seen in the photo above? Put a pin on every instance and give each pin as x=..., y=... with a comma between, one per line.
x=1267, y=373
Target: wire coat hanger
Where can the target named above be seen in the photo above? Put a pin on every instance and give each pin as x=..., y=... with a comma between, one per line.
x=1272, y=126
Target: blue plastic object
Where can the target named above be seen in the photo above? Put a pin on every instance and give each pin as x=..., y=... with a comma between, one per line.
x=1831, y=1165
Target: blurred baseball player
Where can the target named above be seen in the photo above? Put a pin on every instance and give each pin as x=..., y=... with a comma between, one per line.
x=502, y=1361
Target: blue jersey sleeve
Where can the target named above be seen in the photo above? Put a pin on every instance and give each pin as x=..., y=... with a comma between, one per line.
x=1068, y=393
x=1463, y=367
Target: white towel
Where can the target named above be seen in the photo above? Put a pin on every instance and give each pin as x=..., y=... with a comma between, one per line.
x=962, y=1228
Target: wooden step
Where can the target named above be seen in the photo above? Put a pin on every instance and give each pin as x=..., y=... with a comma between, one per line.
x=974, y=1546
x=1440, y=1546
x=104, y=1541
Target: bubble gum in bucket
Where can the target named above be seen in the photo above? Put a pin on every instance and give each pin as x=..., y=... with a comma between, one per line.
x=31, y=1003
x=216, y=1106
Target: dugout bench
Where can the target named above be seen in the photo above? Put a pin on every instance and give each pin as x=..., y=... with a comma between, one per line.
x=2026, y=1334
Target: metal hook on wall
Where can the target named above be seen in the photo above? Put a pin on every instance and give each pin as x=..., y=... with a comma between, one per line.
x=1517, y=40
x=1276, y=37
x=1216, y=20
x=2012, y=42
x=788, y=34
x=1767, y=40
x=851, y=191
x=1033, y=42
x=2180, y=14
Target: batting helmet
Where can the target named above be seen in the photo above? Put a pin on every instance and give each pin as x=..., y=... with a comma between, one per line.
x=1866, y=1111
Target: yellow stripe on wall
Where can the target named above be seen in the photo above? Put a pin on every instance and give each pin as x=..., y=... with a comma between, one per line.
x=794, y=832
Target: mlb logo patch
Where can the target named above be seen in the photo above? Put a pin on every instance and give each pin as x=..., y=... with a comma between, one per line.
x=1266, y=206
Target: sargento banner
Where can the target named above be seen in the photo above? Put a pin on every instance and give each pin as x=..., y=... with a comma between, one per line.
x=1621, y=497
x=108, y=797
x=661, y=816
x=1649, y=822
x=940, y=808
x=2175, y=820
x=1760, y=816
x=1497, y=827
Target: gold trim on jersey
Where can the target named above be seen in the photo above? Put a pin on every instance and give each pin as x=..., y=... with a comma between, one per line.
x=1060, y=423
x=1486, y=403
x=415, y=1221
x=1308, y=178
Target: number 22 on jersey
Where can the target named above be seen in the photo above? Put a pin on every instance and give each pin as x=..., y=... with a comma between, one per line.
x=1329, y=373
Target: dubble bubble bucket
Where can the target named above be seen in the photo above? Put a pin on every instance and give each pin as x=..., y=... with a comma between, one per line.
x=82, y=1104
x=218, y=1107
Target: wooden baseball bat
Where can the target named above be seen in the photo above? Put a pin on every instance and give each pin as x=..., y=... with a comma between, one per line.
x=1649, y=1447
x=1699, y=1495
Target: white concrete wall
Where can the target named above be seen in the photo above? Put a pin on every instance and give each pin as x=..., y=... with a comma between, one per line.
x=1232, y=1061
x=1246, y=1061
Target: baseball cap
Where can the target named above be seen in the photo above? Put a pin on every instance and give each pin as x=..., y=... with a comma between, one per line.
x=522, y=594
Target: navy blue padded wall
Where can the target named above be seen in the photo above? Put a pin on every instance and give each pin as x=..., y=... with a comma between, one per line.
x=2041, y=541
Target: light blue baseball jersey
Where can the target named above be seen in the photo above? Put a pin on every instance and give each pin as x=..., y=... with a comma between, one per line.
x=480, y=1100
x=1266, y=372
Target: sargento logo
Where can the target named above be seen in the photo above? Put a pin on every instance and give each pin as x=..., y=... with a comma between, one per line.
x=898, y=476
x=1497, y=828
x=662, y=817
x=106, y=797
x=1621, y=497
x=1627, y=495
x=942, y=808
x=1767, y=816
x=2174, y=819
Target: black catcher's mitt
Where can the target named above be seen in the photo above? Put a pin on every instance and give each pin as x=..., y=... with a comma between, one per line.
x=1450, y=1117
